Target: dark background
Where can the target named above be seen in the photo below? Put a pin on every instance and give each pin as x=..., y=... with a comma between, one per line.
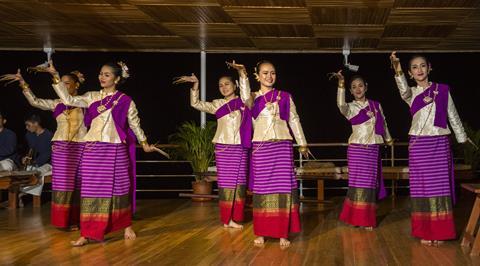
x=164, y=106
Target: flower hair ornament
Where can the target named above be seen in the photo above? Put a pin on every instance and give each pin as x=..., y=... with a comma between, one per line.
x=125, y=72
x=79, y=75
x=257, y=77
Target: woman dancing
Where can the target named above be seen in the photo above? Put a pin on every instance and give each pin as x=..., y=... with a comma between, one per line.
x=275, y=195
x=107, y=166
x=369, y=131
x=430, y=156
x=66, y=149
x=232, y=142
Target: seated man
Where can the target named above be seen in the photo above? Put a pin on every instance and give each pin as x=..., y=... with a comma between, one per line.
x=39, y=143
x=8, y=146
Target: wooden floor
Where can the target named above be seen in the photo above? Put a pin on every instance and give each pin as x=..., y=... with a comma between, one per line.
x=179, y=232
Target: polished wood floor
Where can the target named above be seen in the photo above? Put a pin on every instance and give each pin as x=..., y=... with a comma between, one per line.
x=179, y=232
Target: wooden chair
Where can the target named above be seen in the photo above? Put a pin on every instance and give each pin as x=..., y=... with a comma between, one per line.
x=470, y=236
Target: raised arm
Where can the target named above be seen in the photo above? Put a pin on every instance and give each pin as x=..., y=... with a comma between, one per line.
x=341, y=103
x=76, y=101
x=455, y=121
x=245, y=91
x=402, y=84
x=44, y=104
x=195, y=101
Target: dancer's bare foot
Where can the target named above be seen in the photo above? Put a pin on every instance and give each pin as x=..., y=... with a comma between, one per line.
x=129, y=233
x=259, y=240
x=284, y=242
x=369, y=228
x=233, y=224
x=426, y=242
x=438, y=242
x=82, y=241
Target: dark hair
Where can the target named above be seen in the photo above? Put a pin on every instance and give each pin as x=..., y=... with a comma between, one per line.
x=117, y=72
x=35, y=118
x=73, y=77
x=354, y=77
x=415, y=56
x=227, y=77
x=260, y=63
x=2, y=115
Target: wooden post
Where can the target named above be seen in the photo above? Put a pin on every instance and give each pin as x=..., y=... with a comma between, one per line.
x=320, y=190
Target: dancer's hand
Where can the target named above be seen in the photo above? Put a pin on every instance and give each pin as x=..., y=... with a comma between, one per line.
x=153, y=148
x=395, y=61
x=46, y=67
x=185, y=79
x=339, y=76
x=390, y=142
x=304, y=151
x=242, y=71
x=11, y=78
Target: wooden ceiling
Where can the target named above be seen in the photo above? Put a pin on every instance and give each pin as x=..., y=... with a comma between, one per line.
x=240, y=25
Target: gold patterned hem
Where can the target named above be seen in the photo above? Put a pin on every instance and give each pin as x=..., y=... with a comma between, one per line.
x=229, y=194
x=441, y=204
x=357, y=195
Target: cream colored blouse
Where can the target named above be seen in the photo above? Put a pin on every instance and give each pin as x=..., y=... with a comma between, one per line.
x=423, y=120
x=70, y=126
x=103, y=127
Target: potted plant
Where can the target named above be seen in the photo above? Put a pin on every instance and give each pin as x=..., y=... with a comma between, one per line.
x=195, y=145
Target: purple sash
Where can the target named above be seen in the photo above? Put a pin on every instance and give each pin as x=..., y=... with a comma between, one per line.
x=120, y=104
x=246, y=126
x=441, y=103
x=363, y=117
x=283, y=103
x=60, y=108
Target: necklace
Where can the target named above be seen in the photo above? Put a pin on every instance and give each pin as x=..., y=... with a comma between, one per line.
x=269, y=104
x=428, y=98
x=102, y=107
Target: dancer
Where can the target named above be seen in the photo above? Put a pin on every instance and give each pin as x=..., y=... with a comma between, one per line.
x=107, y=166
x=232, y=141
x=275, y=195
x=66, y=149
x=430, y=156
x=369, y=131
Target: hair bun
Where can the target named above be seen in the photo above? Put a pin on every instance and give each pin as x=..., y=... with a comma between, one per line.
x=79, y=75
x=125, y=71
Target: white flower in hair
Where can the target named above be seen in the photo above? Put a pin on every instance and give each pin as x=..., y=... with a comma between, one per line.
x=124, y=67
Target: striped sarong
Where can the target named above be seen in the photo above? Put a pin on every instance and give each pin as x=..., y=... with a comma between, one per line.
x=364, y=173
x=105, y=200
x=66, y=183
x=275, y=195
x=232, y=168
x=431, y=187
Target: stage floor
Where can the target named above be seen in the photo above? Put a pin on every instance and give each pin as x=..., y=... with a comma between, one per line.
x=179, y=232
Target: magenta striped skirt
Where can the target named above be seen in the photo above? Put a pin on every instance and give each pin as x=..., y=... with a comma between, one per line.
x=65, y=161
x=104, y=170
x=431, y=167
x=273, y=169
x=231, y=163
x=364, y=166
